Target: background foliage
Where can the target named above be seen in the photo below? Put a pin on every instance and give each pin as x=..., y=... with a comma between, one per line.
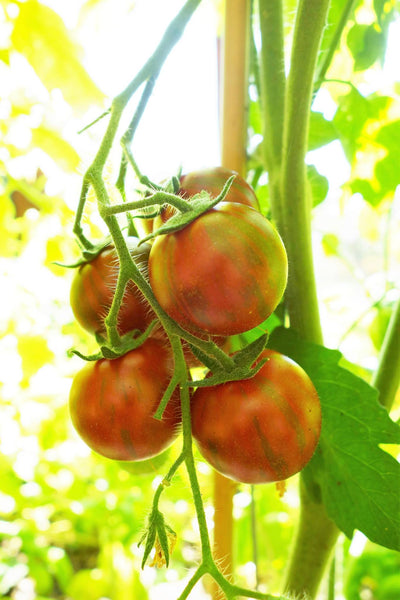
x=69, y=520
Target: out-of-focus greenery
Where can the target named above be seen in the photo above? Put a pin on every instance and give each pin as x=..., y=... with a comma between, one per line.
x=70, y=521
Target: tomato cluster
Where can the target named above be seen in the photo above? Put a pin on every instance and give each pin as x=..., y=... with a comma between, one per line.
x=223, y=273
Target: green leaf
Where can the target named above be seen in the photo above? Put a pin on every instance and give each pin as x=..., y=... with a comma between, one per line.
x=387, y=174
x=319, y=185
x=321, y=131
x=359, y=481
x=367, y=44
x=41, y=36
x=60, y=151
x=5, y=56
x=349, y=121
x=367, y=191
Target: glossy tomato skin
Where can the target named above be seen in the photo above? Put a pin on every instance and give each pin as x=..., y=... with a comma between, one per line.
x=112, y=403
x=93, y=288
x=213, y=180
x=222, y=274
x=261, y=429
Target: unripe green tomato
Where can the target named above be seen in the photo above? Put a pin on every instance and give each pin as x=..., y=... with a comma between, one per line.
x=261, y=429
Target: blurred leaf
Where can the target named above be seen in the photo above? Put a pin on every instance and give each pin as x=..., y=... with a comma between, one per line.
x=321, y=131
x=349, y=120
x=387, y=173
x=35, y=353
x=5, y=56
x=389, y=136
x=90, y=584
x=330, y=244
x=367, y=44
x=336, y=9
x=374, y=574
x=359, y=481
x=378, y=325
x=41, y=36
x=58, y=149
x=8, y=227
x=367, y=191
x=319, y=185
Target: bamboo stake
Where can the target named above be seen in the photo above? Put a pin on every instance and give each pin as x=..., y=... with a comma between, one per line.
x=233, y=156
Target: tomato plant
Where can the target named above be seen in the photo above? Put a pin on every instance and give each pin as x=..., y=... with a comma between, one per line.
x=224, y=273
x=93, y=288
x=112, y=403
x=261, y=429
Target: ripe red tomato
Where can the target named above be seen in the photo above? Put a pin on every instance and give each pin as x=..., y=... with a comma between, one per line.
x=112, y=403
x=223, y=274
x=261, y=429
x=212, y=181
x=93, y=288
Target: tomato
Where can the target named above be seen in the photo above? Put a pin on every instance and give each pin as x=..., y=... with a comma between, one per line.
x=261, y=429
x=93, y=288
x=112, y=403
x=211, y=180
x=223, y=274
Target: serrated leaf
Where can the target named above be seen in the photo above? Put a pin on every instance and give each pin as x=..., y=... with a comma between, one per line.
x=359, y=481
x=41, y=36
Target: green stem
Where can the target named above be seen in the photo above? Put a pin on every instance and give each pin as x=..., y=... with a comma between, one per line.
x=323, y=69
x=158, y=198
x=152, y=67
x=130, y=132
x=315, y=538
x=316, y=533
x=273, y=80
x=387, y=376
x=294, y=211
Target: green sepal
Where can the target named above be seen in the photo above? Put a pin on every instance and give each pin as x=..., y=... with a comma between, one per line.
x=87, y=255
x=244, y=364
x=150, y=537
x=208, y=361
x=162, y=536
x=199, y=204
x=222, y=376
x=127, y=344
x=249, y=354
